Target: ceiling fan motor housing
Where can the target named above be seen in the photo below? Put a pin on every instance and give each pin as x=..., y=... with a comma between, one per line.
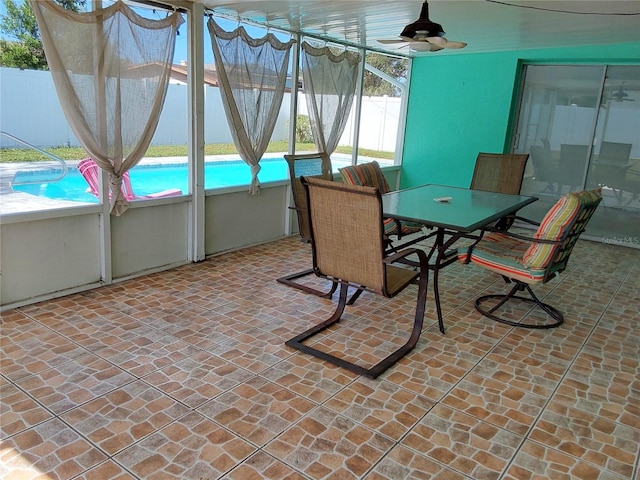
x=423, y=27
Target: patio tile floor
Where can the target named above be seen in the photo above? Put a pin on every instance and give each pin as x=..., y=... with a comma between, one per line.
x=184, y=375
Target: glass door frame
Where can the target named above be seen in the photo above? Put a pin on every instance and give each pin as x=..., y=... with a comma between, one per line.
x=593, y=98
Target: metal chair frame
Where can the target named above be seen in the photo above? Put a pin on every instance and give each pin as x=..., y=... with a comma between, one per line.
x=560, y=257
x=297, y=164
x=331, y=255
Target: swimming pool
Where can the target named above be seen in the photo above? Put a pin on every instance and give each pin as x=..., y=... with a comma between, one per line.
x=148, y=179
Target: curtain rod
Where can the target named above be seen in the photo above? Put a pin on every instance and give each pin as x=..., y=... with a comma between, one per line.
x=340, y=43
x=157, y=4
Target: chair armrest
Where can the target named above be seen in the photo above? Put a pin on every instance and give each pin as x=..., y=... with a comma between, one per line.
x=422, y=257
x=510, y=234
x=526, y=220
x=512, y=218
x=399, y=227
x=632, y=174
x=524, y=237
x=515, y=235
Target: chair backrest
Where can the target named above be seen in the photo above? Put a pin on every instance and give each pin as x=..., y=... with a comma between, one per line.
x=546, y=145
x=308, y=165
x=365, y=174
x=573, y=157
x=127, y=189
x=499, y=172
x=88, y=168
x=563, y=224
x=542, y=166
x=614, y=153
x=347, y=233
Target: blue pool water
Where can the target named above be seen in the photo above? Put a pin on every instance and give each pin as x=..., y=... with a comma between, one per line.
x=147, y=179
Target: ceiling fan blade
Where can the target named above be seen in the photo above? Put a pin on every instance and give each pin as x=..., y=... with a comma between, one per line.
x=387, y=41
x=455, y=44
x=424, y=47
x=439, y=41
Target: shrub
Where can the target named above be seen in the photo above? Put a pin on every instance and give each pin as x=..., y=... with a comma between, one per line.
x=303, y=129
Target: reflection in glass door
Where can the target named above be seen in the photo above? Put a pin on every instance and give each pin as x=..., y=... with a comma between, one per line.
x=581, y=128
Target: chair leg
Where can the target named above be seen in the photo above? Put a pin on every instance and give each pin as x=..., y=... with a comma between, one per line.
x=553, y=312
x=355, y=296
x=385, y=363
x=289, y=281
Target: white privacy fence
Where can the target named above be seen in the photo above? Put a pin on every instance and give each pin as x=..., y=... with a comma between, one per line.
x=30, y=110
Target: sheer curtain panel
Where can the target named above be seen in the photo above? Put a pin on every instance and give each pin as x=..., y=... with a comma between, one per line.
x=329, y=82
x=252, y=74
x=111, y=68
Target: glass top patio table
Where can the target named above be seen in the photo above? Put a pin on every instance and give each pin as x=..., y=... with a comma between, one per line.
x=464, y=212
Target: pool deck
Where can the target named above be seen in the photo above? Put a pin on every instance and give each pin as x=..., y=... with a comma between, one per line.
x=12, y=202
x=21, y=202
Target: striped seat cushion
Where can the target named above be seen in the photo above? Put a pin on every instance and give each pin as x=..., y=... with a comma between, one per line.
x=410, y=227
x=502, y=254
x=555, y=224
x=390, y=226
x=407, y=228
x=369, y=174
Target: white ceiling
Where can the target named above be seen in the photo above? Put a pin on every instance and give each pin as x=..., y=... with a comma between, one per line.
x=486, y=25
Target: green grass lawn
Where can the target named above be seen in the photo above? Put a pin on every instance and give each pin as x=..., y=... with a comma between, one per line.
x=8, y=155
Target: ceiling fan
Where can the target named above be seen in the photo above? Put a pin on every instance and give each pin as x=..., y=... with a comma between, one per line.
x=423, y=35
x=620, y=95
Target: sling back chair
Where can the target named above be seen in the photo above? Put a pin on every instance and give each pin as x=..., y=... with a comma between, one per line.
x=347, y=240
x=533, y=260
x=370, y=175
x=88, y=168
x=500, y=173
x=316, y=165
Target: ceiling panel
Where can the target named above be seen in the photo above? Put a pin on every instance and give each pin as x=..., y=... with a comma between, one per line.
x=486, y=25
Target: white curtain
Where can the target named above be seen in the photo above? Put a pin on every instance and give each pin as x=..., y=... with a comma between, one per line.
x=252, y=74
x=329, y=82
x=111, y=68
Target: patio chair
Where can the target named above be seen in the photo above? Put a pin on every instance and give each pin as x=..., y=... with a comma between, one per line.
x=611, y=166
x=527, y=261
x=316, y=165
x=370, y=175
x=543, y=168
x=632, y=186
x=355, y=256
x=573, y=164
x=615, y=153
x=89, y=170
x=500, y=173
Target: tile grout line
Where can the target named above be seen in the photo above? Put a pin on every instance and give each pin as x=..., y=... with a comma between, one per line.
x=564, y=375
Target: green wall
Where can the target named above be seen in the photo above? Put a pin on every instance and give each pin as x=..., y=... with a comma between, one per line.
x=460, y=104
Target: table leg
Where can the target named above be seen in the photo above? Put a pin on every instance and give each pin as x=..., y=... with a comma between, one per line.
x=437, y=247
x=441, y=262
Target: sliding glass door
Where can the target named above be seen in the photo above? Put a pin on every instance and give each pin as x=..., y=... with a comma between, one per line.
x=581, y=128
